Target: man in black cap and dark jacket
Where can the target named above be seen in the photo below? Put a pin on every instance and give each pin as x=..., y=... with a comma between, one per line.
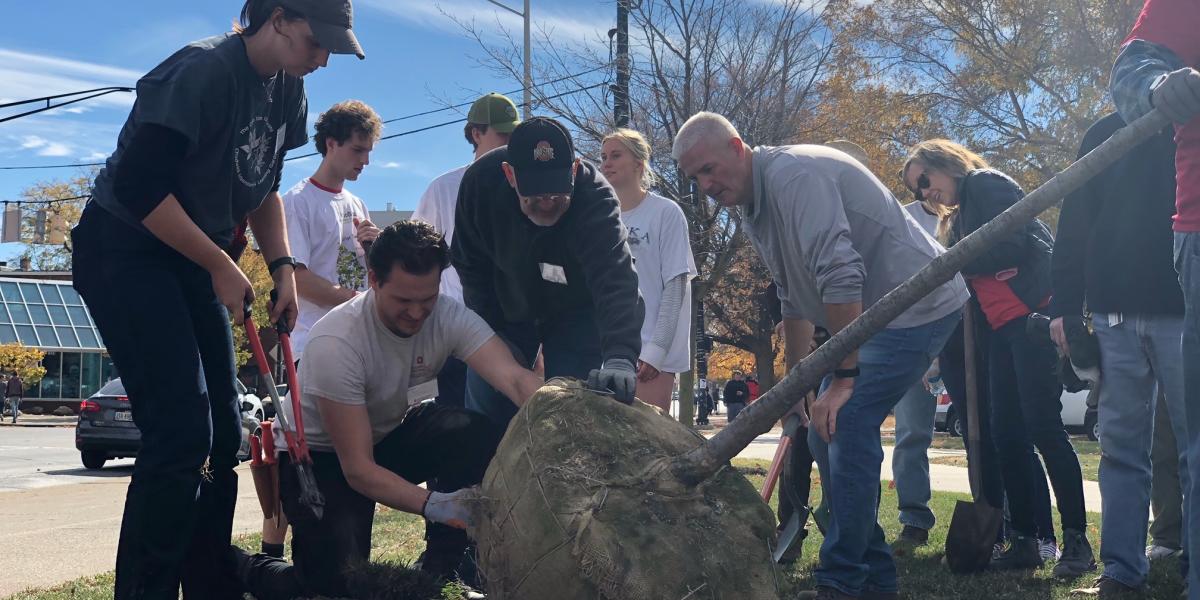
x=1114, y=254
x=543, y=258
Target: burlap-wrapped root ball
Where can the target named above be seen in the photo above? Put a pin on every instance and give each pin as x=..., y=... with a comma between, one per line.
x=580, y=506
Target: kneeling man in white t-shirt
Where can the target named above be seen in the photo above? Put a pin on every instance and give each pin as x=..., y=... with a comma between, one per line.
x=368, y=365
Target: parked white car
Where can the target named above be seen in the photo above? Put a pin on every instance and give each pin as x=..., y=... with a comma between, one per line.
x=1076, y=415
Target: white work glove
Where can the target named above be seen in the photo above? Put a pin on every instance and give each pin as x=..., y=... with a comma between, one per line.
x=1177, y=95
x=617, y=376
x=456, y=509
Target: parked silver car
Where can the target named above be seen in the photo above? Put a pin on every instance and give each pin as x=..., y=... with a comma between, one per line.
x=106, y=430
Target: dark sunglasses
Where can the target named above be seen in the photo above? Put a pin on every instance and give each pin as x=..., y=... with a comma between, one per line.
x=922, y=184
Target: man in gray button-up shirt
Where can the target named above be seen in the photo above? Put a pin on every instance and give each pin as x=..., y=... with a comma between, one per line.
x=835, y=240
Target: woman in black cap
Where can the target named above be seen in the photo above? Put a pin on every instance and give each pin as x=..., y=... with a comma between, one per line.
x=154, y=255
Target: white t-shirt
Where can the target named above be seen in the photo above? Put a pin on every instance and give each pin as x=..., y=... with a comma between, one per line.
x=927, y=221
x=436, y=207
x=353, y=358
x=658, y=238
x=322, y=236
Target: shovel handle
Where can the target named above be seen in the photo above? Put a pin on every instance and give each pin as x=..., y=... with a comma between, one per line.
x=256, y=459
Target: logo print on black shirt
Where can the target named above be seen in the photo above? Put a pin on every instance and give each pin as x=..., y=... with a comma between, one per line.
x=254, y=152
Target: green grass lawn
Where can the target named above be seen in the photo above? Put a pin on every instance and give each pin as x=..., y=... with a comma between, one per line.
x=397, y=537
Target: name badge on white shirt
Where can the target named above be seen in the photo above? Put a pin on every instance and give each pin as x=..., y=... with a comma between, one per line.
x=553, y=273
x=422, y=391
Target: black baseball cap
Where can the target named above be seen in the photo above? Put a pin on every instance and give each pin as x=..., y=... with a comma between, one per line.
x=541, y=153
x=331, y=22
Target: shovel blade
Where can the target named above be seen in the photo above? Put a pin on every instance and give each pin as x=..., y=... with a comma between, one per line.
x=972, y=534
x=790, y=535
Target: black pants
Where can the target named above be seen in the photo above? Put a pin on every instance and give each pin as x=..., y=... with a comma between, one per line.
x=451, y=446
x=170, y=339
x=953, y=370
x=1026, y=411
x=795, y=481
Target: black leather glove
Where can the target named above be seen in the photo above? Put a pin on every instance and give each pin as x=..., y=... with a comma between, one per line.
x=618, y=376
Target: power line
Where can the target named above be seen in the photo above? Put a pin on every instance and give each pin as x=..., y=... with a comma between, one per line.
x=387, y=137
x=520, y=89
x=98, y=92
x=50, y=201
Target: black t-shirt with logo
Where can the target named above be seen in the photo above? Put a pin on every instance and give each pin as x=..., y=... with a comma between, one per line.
x=236, y=123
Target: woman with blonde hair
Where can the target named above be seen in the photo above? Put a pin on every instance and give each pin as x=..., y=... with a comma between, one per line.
x=662, y=254
x=1010, y=280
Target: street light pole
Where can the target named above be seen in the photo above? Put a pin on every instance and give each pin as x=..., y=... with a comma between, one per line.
x=621, y=89
x=528, y=83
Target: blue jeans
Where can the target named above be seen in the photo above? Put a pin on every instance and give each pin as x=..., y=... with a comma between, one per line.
x=1138, y=356
x=570, y=348
x=910, y=457
x=170, y=338
x=854, y=556
x=734, y=408
x=1187, y=262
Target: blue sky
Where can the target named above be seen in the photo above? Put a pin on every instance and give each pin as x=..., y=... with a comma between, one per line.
x=417, y=59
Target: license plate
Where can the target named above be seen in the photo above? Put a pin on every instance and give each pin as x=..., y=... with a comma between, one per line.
x=123, y=415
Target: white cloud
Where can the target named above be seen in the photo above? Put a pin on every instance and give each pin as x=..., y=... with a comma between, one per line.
x=32, y=141
x=27, y=75
x=55, y=149
x=94, y=156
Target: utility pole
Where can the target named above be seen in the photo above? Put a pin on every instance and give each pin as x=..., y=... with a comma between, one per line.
x=528, y=83
x=621, y=88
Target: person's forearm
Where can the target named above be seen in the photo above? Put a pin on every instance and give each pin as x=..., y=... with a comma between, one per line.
x=522, y=387
x=319, y=291
x=172, y=225
x=840, y=315
x=270, y=229
x=387, y=488
x=797, y=340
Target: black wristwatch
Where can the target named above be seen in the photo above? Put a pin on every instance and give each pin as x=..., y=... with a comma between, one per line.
x=846, y=373
x=281, y=261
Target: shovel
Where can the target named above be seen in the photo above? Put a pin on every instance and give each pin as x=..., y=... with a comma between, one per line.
x=974, y=525
x=310, y=494
x=791, y=530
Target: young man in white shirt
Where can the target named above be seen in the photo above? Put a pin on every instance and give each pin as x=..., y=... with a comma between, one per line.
x=372, y=439
x=327, y=225
x=489, y=122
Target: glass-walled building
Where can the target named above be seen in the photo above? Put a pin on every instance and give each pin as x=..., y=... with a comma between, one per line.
x=50, y=316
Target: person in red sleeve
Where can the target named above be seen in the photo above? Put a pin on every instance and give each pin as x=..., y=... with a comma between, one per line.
x=1157, y=70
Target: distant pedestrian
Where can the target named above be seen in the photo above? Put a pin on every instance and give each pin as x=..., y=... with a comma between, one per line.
x=755, y=391
x=14, y=391
x=737, y=394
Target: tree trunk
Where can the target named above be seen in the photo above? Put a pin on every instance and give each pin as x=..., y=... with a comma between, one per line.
x=764, y=366
x=699, y=464
x=687, y=397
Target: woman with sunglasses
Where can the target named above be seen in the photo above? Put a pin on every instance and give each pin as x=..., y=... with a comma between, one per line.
x=1010, y=281
x=155, y=259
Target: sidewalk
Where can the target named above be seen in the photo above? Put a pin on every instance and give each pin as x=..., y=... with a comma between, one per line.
x=942, y=478
x=28, y=420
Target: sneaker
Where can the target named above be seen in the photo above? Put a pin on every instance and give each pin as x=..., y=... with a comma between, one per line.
x=1103, y=587
x=1160, y=552
x=1048, y=548
x=1077, y=557
x=1021, y=553
x=912, y=536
